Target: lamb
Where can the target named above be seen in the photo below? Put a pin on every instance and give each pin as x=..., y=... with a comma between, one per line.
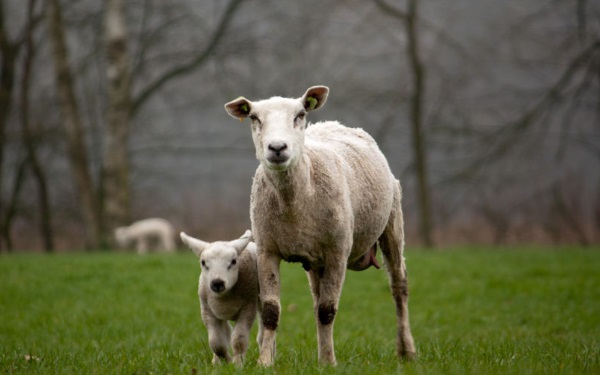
x=145, y=231
x=228, y=290
x=322, y=195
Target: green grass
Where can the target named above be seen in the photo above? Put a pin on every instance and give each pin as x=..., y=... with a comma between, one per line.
x=473, y=311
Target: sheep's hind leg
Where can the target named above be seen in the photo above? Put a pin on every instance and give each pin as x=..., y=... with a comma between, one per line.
x=392, y=245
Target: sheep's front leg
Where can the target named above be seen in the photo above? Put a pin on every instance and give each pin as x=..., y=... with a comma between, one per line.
x=268, y=279
x=219, y=333
x=241, y=334
x=326, y=285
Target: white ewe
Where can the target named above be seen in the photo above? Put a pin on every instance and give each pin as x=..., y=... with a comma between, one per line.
x=144, y=232
x=228, y=290
x=324, y=196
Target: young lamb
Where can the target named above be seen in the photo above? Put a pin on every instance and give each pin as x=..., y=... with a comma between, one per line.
x=228, y=290
x=324, y=196
x=145, y=231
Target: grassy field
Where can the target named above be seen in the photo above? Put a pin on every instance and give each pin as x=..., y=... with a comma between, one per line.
x=473, y=311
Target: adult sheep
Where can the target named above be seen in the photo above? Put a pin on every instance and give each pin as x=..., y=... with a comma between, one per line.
x=323, y=195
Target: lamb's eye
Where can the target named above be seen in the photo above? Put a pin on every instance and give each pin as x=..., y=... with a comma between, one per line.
x=203, y=264
x=233, y=262
x=300, y=116
x=254, y=118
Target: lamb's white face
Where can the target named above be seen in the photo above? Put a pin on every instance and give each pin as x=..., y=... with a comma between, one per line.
x=219, y=267
x=219, y=260
x=278, y=125
x=278, y=131
x=121, y=236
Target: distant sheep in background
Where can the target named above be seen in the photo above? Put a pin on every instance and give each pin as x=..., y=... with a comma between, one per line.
x=145, y=233
x=323, y=195
x=228, y=291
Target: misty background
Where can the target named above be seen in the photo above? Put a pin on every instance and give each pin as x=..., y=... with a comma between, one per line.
x=488, y=112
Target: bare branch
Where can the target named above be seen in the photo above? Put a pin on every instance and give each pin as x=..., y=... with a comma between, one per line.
x=200, y=59
x=515, y=129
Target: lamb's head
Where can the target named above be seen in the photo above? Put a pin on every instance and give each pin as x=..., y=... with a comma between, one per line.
x=122, y=236
x=278, y=125
x=218, y=260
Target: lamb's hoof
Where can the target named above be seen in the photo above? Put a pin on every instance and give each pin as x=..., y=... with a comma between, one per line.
x=238, y=361
x=263, y=361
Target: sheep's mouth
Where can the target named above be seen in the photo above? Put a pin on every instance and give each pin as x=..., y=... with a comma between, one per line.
x=277, y=161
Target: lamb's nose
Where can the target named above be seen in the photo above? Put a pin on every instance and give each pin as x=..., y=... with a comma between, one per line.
x=277, y=147
x=217, y=285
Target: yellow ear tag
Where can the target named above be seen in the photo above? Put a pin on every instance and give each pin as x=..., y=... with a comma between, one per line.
x=241, y=119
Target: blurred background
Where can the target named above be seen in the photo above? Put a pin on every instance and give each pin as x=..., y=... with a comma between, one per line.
x=112, y=111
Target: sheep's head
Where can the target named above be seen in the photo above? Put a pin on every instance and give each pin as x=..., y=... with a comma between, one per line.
x=219, y=260
x=278, y=125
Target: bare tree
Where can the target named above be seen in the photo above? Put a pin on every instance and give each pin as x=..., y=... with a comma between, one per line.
x=417, y=102
x=116, y=160
x=180, y=70
x=74, y=128
x=8, y=55
x=27, y=133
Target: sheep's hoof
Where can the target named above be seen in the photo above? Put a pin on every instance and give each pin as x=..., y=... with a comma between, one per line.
x=408, y=356
x=328, y=363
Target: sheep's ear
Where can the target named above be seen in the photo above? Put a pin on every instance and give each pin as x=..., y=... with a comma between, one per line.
x=239, y=108
x=195, y=244
x=240, y=244
x=315, y=97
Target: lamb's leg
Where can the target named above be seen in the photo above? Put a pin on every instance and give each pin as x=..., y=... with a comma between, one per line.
x=392, y=245
x=326, y=285
x=142, y=245
x=241, y=334
x=219, y=333
x=167, y=242
x=268, y=279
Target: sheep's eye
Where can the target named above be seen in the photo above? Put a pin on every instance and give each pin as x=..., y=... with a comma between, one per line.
x=204, y=264
x=254, y=118
x=300, y=115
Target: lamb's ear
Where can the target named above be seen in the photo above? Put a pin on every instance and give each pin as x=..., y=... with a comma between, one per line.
x=195, y=244
x=240, y=244
x=239, y=108
x=247, y=234
x=315, y=97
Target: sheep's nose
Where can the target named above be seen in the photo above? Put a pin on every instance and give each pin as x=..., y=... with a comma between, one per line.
x=217, y=285
x=277, y=147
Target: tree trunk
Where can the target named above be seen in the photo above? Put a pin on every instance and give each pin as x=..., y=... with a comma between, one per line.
x=13, y=203
x=74, y=128
x=8, y=55
x=416, y=116
x=116, y=160
x=29, y=139
x=419, y=144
